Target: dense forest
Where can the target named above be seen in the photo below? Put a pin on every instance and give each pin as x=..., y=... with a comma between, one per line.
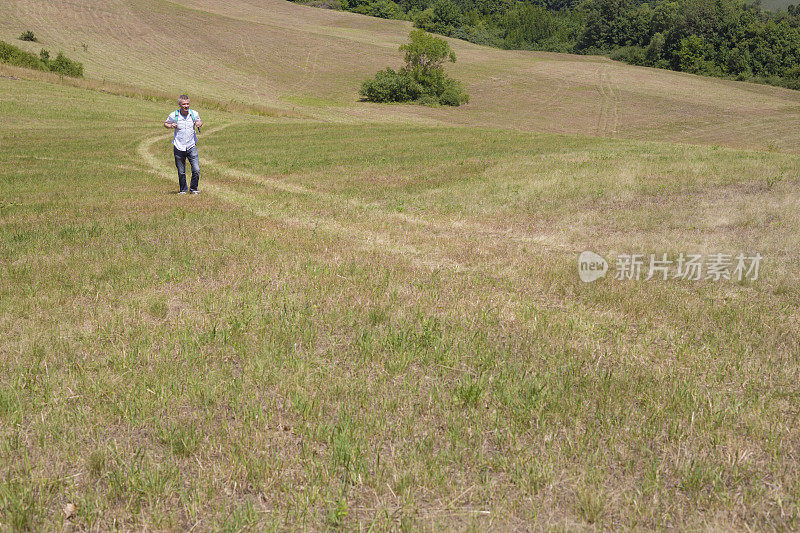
x=726, y=38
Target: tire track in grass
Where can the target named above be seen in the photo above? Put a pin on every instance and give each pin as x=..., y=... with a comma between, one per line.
x=264, y=180
x=475, y=228
x=608, y=116
x=602, y=115
x=433, y=258
x=369, y=240
x=613, y=91
x=310, y=73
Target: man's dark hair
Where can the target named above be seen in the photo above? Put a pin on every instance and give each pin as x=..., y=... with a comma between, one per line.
x=183, y=97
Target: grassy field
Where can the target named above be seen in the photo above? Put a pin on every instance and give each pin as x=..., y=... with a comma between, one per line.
x=382, y=326
x=371, y=317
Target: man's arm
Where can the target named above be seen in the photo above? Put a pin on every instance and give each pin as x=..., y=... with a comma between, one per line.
x=170, y=123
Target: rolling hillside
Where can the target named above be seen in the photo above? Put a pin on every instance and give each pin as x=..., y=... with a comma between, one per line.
x=276, y=53
x=371, y=317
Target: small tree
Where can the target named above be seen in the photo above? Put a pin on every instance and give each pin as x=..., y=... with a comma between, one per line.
x=422, y=78
x=426, y=52
x=66, y=67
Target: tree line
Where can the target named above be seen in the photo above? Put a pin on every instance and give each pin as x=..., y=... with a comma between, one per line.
x=725, y=38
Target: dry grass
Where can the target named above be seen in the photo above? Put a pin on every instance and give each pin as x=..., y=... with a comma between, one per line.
x=371, y=317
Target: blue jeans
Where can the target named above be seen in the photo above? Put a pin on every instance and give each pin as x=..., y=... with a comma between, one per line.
x=180, y=164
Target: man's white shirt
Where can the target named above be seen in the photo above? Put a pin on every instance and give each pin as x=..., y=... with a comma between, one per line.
x=184, y=137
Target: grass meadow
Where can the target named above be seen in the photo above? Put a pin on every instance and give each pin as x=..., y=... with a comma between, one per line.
x=381, y=326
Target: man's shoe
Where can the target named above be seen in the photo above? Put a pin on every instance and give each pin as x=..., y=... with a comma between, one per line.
x=181, y=192
x=194, y=191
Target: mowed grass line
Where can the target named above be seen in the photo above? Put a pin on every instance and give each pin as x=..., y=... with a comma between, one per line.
x=171, y=364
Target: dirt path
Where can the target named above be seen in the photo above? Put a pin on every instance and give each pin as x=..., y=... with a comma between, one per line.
x=433, y=257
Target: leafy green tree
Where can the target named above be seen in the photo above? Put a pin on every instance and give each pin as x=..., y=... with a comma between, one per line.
x=696, y=18
x=422, y=78
x=385, y=9
x=446, y=13
x=693, y=56
x=424, y=19
x=614, y=23
x=739, y=62
x=664, y=16
x=443, y=17
x=425, y=52
x=655, y=49
x=528, y=25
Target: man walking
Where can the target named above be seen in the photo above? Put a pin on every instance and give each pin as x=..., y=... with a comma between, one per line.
x=184, y=144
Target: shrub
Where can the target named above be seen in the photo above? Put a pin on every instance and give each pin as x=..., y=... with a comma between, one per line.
x=391, y=86
x=66, y=67
x=421, y=79
x=436, y=84
x=14, y=56
x=453, y=94
x=633, y=55
x=28, y=35
x=428, y=100
x=61, y=64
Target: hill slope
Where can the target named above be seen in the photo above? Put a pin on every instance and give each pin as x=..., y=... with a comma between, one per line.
x=376, y=324
x=381, y=325
x=277, y=53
